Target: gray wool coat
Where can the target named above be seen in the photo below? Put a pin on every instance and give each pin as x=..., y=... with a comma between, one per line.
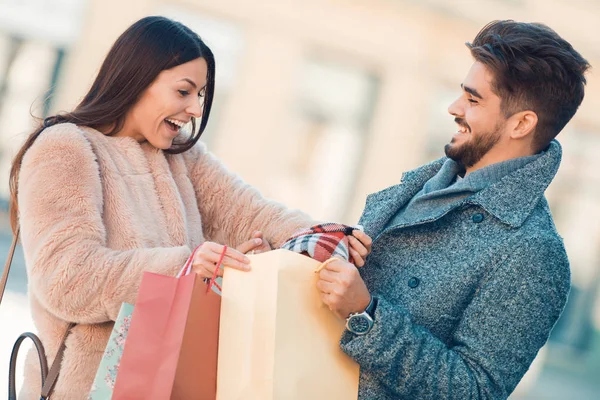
x=468, y=296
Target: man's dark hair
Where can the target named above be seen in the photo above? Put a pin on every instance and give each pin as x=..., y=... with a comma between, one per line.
x=534, y=69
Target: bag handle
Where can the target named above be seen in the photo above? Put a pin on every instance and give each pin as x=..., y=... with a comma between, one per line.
x=324, y=263
x=49, y=378
x=9, y=259
x=187, y=268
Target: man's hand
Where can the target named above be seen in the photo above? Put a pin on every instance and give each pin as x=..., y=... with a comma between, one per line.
x=342, y=289
x=360, y=246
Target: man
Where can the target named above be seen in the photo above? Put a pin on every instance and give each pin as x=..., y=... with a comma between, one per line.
x=467, y=274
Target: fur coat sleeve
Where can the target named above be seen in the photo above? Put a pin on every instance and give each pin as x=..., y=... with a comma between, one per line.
x=72, y=272
x=232, y=210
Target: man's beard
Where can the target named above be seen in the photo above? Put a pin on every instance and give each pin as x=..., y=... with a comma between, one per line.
x=472, y=150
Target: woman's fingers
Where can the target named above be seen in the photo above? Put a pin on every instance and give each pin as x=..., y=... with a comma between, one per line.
x=209, y=254
x=230, y=254
x=250, y=245
x=206, y=269
x=264, y=247
x=255, y=245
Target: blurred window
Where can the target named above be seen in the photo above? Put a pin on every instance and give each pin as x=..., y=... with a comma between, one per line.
x=329, y=126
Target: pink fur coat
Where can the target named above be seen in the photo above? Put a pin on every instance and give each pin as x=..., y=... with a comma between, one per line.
x=98, y=211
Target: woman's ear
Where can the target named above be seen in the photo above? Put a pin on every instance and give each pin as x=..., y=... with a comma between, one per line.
x=525, y=123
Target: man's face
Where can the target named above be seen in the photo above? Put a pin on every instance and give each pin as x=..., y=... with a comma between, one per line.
x=480, y=121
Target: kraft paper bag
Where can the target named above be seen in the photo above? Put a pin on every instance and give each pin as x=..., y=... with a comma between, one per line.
x=171, y=348
x=277, y=340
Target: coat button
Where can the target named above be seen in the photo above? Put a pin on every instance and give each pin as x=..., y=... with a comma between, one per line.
x=413, y=282
x=477, y=218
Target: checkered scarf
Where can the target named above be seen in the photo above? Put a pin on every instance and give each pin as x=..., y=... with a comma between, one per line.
x=322, y=242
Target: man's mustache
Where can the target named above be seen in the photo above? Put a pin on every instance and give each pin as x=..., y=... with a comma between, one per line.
x=462, y=122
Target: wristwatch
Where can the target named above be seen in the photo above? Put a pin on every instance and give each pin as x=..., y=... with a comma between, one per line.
x=361, y=323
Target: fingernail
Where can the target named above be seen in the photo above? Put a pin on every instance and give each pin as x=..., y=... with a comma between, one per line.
x=246, y=260
x=258, y=241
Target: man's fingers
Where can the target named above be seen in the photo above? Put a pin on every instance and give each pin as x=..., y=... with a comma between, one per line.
x=325, y=286
x=363, y=238
x=337, y=266
x=330, y=301
x=358, y=260
x=356, y=245
x=327, y=275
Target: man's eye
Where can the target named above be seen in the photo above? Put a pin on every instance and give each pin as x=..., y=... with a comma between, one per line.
x=183, y=92
x=472, y=101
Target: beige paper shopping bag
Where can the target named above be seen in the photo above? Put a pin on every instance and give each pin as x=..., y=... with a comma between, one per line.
x=277, y=339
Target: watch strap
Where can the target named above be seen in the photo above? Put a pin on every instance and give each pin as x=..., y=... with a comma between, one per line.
x=372, y=307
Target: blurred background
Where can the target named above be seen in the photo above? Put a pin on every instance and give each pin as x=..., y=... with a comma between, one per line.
x=357, y=88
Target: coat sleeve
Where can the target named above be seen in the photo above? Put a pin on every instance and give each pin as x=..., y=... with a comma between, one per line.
x=72, y=272
x=497, y=338
x=232, y=210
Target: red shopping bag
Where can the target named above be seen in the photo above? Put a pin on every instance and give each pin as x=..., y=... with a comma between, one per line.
x=171, y=348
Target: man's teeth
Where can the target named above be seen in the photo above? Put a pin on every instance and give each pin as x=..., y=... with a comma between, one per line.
x=175, y=122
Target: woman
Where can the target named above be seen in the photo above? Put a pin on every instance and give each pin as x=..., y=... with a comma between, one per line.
x=120, y=186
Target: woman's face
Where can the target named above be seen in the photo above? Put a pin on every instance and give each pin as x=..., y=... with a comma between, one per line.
x=170, y=102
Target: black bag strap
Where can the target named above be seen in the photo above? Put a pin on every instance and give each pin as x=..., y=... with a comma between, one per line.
x=49, y=378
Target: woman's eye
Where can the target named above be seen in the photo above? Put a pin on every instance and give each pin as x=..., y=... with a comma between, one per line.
x=183, y=92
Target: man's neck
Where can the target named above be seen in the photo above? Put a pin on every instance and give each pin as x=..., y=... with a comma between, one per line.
x=498, y=155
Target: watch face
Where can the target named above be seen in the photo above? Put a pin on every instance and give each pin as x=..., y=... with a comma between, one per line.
x=359, y=324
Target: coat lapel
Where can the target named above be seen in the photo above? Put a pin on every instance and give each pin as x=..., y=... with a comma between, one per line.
x=383, y=205
x=168, y=195
x=511, y=200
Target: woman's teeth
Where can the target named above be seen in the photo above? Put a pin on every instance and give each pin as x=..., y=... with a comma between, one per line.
x=175, y=122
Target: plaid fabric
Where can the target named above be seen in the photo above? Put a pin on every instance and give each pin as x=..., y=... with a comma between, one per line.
x=322, y=242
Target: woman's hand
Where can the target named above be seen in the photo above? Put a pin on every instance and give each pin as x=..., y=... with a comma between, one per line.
x=207, y=256
x=360, y=247
x=255, y=245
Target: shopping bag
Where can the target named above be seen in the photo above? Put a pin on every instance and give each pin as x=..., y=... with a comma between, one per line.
x=277, y=339
x=171, y=348
x=104, y=383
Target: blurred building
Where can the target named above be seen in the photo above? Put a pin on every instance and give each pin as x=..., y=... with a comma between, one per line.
x=353, y=88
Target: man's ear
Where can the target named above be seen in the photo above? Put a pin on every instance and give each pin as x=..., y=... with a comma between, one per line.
x=524, y=123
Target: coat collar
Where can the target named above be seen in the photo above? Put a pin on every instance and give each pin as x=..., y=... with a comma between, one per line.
x=383, y=205
x=511, y=200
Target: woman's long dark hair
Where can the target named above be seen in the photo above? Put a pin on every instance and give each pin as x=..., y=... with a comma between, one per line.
x=146, y=48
